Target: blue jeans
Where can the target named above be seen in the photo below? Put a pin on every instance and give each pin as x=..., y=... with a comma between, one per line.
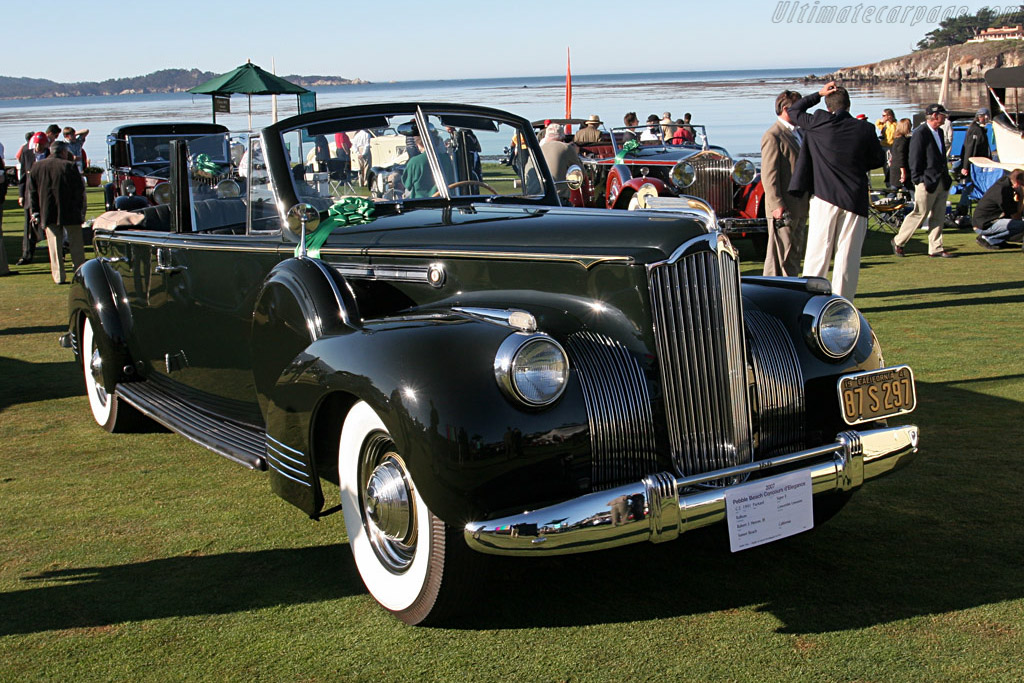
x=1001, y=230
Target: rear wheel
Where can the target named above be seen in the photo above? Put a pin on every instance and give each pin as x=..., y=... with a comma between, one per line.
x=109, y=411
x=401, y=549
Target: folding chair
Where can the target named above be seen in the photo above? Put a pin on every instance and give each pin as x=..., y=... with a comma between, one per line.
x=973, y=189
x=339, y=174
x=886, y=210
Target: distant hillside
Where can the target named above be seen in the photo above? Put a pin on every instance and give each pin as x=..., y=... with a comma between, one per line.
x=166, y=80
x=968, y=62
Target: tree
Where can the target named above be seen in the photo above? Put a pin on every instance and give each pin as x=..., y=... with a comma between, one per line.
x=957, y=30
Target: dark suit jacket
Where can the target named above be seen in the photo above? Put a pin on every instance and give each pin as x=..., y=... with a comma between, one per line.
x=927, y=160
x=55, y=192
x=837, y=153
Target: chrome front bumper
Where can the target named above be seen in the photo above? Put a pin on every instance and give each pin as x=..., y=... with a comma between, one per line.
x=662, y=506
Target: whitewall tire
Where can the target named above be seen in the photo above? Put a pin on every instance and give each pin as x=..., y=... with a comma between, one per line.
x=398, y=544
x=110, y=412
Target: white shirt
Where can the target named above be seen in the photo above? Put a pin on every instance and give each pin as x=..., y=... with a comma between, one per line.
x=361, y=141
x=936, y=135
x=792, y=129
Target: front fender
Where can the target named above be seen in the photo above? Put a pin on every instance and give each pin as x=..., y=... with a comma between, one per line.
x=471, y=450
x=97, y=292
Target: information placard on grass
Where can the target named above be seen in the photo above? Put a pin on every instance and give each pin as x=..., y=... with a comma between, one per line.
x=770, y=509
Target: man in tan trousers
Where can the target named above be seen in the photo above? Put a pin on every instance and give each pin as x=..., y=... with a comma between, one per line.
x=787, y=214
x=55, y=195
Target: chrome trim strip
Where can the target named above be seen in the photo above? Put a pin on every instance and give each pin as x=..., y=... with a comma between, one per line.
x=279, y=464
x=587, y=261
x=286, y=475
x=277, y=452
x=193, y=243
x=660, y=507
x=284, y=446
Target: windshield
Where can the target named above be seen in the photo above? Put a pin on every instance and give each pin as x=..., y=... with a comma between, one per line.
x=658, y=135
x=150, y=149
x=387, y=158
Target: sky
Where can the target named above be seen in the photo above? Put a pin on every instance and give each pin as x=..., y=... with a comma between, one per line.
x=454, y=39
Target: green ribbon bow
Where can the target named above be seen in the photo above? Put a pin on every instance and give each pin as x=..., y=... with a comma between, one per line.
x=347, y=211
x=204, y=164
x=630, y=147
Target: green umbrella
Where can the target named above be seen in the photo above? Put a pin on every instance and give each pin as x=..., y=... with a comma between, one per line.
x=249, y=80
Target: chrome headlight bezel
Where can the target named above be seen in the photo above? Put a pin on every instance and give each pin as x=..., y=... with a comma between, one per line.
x=511, y=368
x=683, y=174
x=834, y=326
x=162, y=193
x=743, y=172
x=574, y=177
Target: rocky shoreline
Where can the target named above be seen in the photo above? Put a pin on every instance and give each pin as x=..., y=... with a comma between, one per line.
x=968, y=63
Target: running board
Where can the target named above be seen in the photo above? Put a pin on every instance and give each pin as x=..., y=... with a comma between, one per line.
x=240, y=443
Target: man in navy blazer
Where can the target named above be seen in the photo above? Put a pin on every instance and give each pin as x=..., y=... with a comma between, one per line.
x=930, y=175
x=837, y=153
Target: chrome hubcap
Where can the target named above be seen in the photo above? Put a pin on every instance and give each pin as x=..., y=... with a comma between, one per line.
x=96, y=370
x=387, y=500
x=388, y=504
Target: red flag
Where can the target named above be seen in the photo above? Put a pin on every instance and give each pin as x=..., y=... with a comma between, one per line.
x=568, y=91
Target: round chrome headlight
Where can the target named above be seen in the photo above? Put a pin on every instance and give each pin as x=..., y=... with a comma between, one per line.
x=683, y=175
x=228, y=189
x=531, y=368
x=835, y=326
x=574, y=177
x=162, y=193
x=743, y=172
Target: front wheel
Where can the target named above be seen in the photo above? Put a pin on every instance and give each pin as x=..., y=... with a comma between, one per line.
x=109, y=411
x=401, y=549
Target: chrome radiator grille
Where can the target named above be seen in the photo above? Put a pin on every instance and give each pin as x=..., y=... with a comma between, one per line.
x=713, y=181
x=698, y=330
x=618, y=408
x=778, y=394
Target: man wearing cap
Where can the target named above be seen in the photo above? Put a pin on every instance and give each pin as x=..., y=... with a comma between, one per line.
x=588, y=134
x=929, y=173
x=837, y=153
x=38, y=149
x=55, y=196
x=652, y=133
x=997, y=218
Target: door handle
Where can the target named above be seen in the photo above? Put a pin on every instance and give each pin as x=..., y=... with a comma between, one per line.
x=163, y=262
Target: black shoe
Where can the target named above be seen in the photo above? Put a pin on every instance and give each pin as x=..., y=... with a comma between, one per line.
x=986, y=244
x=896, y=249
x=24, y=261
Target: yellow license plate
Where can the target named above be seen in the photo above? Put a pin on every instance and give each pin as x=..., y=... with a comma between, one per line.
x=872, y=395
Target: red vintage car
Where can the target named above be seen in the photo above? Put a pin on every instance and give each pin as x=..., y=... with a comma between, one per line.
x=658, y=174
x=138, y=158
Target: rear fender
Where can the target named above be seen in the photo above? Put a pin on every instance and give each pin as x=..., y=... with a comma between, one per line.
x=97, y=292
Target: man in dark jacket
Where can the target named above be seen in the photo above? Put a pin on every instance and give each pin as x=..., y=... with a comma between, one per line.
x=997, y=218
x=930, y=174
x=55, y=196
x=837, y=153
x=975, y=142
x=36, y=147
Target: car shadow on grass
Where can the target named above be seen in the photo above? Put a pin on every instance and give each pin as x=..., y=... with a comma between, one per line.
x=24, y=382
x=940, y=535
x=89, y=597
x=943, y=534
x=39, y=329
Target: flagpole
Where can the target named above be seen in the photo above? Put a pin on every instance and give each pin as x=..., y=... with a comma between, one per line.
x=568, y=90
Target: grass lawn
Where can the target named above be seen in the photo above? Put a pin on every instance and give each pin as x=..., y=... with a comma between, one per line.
x=146, y=557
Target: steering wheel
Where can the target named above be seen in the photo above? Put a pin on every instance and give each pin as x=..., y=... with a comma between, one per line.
x=467, y=183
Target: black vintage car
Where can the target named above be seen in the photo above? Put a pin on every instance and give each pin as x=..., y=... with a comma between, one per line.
x=466, y=349
x=138, y=157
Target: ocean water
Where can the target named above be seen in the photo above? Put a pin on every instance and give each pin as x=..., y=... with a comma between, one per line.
x=735, y=106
